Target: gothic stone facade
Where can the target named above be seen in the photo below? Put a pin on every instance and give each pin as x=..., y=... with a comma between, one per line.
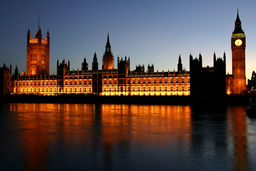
x=108, y=81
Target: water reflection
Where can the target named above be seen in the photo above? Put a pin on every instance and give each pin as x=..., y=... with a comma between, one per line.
x=238, y=130
x=125, y=137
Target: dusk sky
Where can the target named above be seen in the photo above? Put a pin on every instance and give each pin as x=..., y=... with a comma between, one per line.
x=149, y=32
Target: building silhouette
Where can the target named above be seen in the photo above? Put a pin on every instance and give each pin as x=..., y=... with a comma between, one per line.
x=121, y=81
x=208, y=81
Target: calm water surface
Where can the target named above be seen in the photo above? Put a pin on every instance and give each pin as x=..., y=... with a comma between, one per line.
x=125, y=137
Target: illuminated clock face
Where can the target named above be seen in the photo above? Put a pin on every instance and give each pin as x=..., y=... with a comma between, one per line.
x=238, y=42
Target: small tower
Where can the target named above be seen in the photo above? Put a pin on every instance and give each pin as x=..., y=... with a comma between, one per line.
x=85, y=65
x=150, y=68
x=16, y=71
x=38, y=53
x=108, y=59
x=95, y=62
x=179, y=64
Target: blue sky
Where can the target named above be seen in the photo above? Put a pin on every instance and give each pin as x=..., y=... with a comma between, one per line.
x=149, y=32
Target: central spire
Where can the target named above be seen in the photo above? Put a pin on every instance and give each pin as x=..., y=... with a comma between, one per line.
x=238, y=26
x=108, y=46
x=238, y=21
x=108, y=59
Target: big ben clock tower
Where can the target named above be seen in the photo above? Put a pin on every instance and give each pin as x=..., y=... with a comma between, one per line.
x=238, y=57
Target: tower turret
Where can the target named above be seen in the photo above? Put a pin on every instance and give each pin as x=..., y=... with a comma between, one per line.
x=85, y=65
x=28, y=36
x=38, y=53
x=108, y=59
x=179, y=64
x=95, y=62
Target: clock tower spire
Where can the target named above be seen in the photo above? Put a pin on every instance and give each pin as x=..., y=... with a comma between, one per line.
x=238, y=57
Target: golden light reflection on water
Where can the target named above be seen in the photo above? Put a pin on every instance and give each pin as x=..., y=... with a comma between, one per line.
x=76, y=127
x=46, y=123
x=236, y=120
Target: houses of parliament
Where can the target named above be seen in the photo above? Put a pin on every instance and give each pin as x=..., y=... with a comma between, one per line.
x=121, y=81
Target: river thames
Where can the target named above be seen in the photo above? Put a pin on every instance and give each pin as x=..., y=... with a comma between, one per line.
x=125, y=137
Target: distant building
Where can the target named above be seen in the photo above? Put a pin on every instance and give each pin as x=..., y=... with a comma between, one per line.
x=108, y=81
x=208, y=81
x=238, y=45
x=5, y=80
x=252, y=83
